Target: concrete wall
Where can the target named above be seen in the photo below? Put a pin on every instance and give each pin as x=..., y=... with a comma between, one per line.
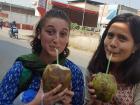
x=86, y=43
x=125, y=9
x=22, y=18
x=24, y=21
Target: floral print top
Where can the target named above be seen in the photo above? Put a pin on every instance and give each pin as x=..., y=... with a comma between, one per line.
x=10, y=83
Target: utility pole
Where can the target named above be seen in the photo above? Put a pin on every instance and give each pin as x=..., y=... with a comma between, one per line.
x=84, y=13
x=129, y=3
x=10, y=13
x=0, y=6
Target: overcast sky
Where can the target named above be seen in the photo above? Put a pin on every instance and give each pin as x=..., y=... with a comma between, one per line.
x=132, y=3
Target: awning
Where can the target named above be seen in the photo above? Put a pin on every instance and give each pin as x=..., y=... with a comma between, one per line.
x=76, y=14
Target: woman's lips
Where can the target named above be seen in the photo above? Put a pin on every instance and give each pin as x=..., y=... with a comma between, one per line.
x=54, y=48
x=112, y=52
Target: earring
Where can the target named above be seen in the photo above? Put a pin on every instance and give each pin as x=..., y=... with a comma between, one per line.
x=134, y=50
x=65, y=53
x=38, y=36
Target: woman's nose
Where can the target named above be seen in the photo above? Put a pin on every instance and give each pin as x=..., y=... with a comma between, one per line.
x=56, y=38
x=114, y=43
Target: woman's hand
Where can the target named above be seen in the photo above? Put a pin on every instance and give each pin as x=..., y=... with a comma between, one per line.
x=92, y=94
x=53, y=96
x=93, y=98
x=67, y=99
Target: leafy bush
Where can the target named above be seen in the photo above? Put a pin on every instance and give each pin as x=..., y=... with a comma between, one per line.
x=75, y=26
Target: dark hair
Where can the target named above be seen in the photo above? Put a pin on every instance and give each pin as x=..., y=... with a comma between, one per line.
x=53, y=13
x=129, y=71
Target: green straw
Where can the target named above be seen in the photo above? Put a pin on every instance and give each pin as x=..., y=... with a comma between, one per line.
x=57, y=55
x=108, y=64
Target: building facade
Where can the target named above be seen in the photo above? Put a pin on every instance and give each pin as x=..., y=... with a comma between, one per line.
x=23, y=16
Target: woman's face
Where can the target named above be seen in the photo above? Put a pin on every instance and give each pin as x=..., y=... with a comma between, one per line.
x=119, y=42
x=54, y=35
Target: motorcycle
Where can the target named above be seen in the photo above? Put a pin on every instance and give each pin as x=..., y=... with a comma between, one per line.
x=13, y=32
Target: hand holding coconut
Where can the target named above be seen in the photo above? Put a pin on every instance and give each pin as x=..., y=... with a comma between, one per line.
x=92, y=94
x=58, y=78
x=55, y=85
x=55, y=74
x=103, y=86
x=53, y=96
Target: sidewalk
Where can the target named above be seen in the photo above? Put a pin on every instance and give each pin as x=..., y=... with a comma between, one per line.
x=22, y=34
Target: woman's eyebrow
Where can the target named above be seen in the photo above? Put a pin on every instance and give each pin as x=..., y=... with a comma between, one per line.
x=65, y=29
x=51, y=26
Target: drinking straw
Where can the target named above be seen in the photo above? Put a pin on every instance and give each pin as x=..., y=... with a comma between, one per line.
x=57, y=55
x=108, y=64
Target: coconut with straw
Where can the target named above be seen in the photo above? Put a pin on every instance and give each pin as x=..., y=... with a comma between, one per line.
x=55, y=74
x=105, y=85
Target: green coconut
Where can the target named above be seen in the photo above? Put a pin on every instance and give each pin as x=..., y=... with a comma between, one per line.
x=105, y=86
x=55, y=74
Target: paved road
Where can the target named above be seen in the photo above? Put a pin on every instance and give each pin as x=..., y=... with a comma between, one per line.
x=8, y=53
